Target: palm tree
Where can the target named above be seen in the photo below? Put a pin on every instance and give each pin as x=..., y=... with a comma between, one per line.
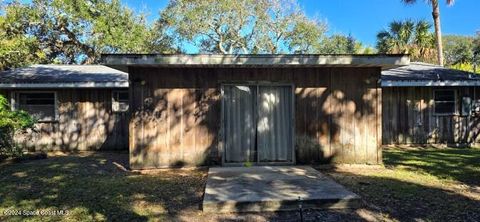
x=397, y=38
x=436, y=22
x=408, y=37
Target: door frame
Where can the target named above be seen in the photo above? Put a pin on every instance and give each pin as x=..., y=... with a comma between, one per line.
x=257, y=84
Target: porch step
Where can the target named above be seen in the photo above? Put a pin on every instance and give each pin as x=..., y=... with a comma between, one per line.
x=273, y=188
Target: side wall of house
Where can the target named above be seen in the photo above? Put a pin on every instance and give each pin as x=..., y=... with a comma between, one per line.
x=85, y=122
x=408, y=117
x=176, y=113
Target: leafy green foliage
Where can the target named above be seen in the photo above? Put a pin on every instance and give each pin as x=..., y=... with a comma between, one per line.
x=460, y=52
x=17, y=49
x=245, y=26
x=458, y=49
x=467, y=66
x=436, y=21
x=12, y=122
x=476, y=47
x=74, y=31
x=340, y=44
x=408, y=37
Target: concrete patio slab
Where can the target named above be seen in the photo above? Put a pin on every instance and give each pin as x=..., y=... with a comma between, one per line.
x=273, y=188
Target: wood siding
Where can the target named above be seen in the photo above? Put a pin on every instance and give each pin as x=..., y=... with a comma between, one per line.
x=408, y=118
x=85, y=122
x=176, y=113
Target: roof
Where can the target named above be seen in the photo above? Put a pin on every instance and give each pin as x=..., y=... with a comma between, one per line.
x=122, y=61
x=64, y=76
x=423, y=74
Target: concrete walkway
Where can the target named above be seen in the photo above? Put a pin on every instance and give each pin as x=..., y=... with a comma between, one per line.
x=273, y=188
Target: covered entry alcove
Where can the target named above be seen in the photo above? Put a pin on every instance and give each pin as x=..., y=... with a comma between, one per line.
x=190, y=110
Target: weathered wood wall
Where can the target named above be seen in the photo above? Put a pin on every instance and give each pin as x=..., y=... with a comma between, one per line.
x=176, y=113
x=85, y=122
x=408, y=118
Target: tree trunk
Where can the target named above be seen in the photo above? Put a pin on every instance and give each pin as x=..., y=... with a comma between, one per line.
x=438, y=31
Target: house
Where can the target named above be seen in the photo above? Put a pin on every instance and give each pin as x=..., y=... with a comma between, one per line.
x=428, y=104
x=259, y=109
x=78, y=107
x=176, y=110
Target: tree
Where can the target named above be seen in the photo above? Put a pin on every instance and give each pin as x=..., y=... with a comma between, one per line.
x=341, y=44
x=244, y=26
x=408, y=37
x=476, y=45
x=436, y=21
x=462, y=52
x=17, y=49
x=476, y=52
x=12, y=122
x=458, y=49
x=78, y=31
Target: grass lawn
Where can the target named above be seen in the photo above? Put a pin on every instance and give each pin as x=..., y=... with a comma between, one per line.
x=93, y=188
x=416, y=184
x=419, y=184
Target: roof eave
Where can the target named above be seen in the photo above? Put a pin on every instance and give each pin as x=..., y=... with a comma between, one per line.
x=63, y=85
x=121, y=61
x=429, y=83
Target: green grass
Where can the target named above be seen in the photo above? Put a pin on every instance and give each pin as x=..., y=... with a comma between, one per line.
x=420, y=184
x=93, y=188
x=415, y=184
x=457, y=164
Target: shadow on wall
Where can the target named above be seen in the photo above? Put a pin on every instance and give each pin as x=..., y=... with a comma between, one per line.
x=409, y=118
x=85, y=122
x=176, y=118
x=337, y=123
x=175, y=127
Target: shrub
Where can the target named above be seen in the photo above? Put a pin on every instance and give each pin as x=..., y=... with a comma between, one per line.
x=12, y=122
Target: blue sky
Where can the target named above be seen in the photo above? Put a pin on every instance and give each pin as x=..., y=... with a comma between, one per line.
x=363, y=19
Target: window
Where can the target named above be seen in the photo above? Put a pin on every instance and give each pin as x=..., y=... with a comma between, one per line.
x=120, y=101
x=466, y=106
x=41, y=105
x=445, y=102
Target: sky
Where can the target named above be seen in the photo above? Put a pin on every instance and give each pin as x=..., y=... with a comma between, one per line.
x=363, y=19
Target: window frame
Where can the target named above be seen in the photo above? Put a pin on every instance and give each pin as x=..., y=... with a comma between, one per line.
x=455, y=98
x=15, y=102
x=114, y=101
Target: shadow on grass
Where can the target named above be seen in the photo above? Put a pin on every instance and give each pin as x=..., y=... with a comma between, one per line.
x=408, y=201
x=461, y=164
x=93, y=187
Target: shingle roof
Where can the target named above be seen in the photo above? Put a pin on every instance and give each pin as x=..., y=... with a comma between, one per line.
x=64, y=75
x=423, y=74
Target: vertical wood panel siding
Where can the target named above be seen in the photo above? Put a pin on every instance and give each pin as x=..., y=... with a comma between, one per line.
x=85, y=122
x=176, y=113
x=408, y=118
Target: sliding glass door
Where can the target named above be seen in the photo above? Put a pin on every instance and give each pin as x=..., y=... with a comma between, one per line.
x=258, y=123
x=239, y=123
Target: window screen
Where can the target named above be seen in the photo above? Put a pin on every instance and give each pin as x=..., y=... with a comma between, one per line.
x=444, y=102
x=41, y=105
x=120, y=101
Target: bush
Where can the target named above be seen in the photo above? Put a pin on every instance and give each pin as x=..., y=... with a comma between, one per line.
x=12, y=122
